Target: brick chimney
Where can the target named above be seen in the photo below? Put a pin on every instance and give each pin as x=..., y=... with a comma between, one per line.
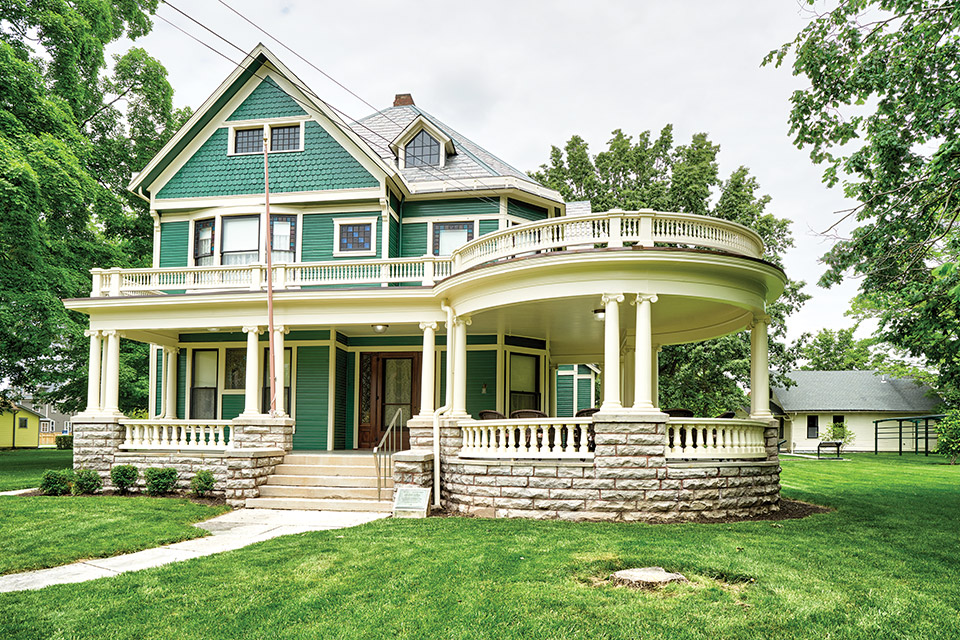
x=403, y=100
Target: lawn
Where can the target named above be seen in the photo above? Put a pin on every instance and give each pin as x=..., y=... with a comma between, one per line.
x=22, y=468
x=42, y=531
x=883, y=564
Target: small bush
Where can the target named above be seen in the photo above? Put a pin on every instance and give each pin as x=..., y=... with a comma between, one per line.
x=64, y=442
x=202, y=483
x=160, y=481
x=948, y=436
x=56, y=483
x=840, y=432
x=86, y=481
x=124, y=476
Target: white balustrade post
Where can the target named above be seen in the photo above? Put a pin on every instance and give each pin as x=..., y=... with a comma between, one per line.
x=460, y=367
x=759, y=370
x=611, y=352
x=643, y=384
x=427, y=368
x=646, y=230
x=252, y=386
x=112, y=395
x=428, y=278
x=170, y=380
x=96, y=289
x=616, y=235
x=278, y=332
x=255, y=277
x=93, y=371
x=115, y=282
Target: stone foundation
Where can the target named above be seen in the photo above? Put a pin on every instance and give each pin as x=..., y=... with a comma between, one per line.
x=413, y=468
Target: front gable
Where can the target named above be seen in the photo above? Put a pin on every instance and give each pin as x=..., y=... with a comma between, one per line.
x=268, y=100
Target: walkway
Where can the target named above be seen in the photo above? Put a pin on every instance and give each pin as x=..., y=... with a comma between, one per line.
x=230, y=531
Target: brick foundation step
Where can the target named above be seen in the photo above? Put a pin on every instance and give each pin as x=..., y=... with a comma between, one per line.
x=325, y=481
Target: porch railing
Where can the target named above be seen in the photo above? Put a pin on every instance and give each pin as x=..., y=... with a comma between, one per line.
x=715, y=438
x=612, y=229
x=544, y=438
x=389, y=444
x=200, y=435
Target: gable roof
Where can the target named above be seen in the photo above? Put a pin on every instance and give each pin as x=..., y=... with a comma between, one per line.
x=826, y=391
x=19, y=408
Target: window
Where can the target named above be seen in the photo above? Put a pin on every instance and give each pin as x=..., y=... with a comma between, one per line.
x=837, y=420
x=524, y=381
x=284, y=234
x=286, y=138
x=356, y=237
x=287, y=353
x=423, y=150
x=203, y=388
x=241, y=240
x=235, y=369
x=203, y=243
x=813, y=427
x=22, y=423
x=448, y=236
x=249, y=140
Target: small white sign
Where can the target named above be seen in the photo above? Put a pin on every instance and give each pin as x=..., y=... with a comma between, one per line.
x=411, y=502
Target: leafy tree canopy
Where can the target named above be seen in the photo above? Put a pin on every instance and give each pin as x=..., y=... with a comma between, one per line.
x=653, y=172
x=830, y=350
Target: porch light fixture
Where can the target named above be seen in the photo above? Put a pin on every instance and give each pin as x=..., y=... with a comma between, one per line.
x=599, y=315
x=380, y=328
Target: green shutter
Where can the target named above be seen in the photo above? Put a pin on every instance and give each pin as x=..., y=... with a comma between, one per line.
x=460, y=207
x=564, y=396
x=313, y=367
x=174, y=244
x=489, y=226
x=413, y=241
x=159, y=383
x=583, y=393
x=481, y=370
x=340, y=402
x=182, y=385
x=351, y=398
x=231, y=405
x=525, y=211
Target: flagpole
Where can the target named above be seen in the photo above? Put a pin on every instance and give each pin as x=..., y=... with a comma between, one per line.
x=273, y=357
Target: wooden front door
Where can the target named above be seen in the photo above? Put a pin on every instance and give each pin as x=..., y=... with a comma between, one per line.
x=389, y=382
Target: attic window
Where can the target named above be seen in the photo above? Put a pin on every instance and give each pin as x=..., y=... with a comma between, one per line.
x=423, y=150
x=248, y=141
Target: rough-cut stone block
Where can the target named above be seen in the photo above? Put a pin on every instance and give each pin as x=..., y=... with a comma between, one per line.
x=514, y=503
x=551, y=483
x=634, y=484
x=695, y=472
x=522, y=492
x=575, y=494
x=559, y=505
x=610, y=438
x=569, y=472
x=511, y=481
x=703, y=483
x=545, y=471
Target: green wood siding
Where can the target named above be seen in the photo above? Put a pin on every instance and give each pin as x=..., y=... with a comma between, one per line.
x=394, y=238
x=318, y=240
x=460, y=207
x=322, y=164
x=564, y=396
x=159, y=383
x=268, y=100
x=413, y=242
x=525, y=211
x=481, y=369
x=182, y=385
x=583, y=393
x=340, y=402
x=174, y=244
x=313, y=367
x=231, y=405
x=395, y=203
x=489, y=226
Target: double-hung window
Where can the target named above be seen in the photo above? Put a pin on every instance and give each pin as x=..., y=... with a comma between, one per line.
x=241, y=240
x=813, y=427
x=203, y=388
x=524, y=381
x=283, y=231
x=448, y=236
x=203, y=243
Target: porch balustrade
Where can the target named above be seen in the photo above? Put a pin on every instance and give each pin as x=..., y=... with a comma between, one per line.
x=716, y=438
x=543, y=438
x=199, y=435
x=602, y=230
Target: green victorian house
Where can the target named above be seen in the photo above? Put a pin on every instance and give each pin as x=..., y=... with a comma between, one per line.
x=429, y=300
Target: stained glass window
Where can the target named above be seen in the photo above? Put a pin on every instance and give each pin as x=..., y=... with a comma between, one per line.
x=448, y=236
x=366, y=369
x=203, y=243
x=423, y=150
x=235, y=365
x=355, y=237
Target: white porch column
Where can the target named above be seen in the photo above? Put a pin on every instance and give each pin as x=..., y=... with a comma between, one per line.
x=170, y=382
x=460, y=367
x=278, y=332
x=112, y=393
x=611, y=352
x=427, y=368
x=103, y=370
x=252, y=384
x=93, y=371
x=759, y=369
x=553, y=389
x=643, y=389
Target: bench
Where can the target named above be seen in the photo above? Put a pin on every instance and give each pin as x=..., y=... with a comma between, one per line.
x=829, y=444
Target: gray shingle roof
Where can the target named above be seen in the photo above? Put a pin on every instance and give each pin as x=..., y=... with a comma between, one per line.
x=828, y=391
x=471, y=160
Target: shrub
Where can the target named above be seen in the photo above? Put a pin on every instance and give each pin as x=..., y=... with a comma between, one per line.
x=202, y=483
x=838, y=431
x=948, y=436
x=124, y=476
x=56, y=483
x=86, y=481
x=160, y=481
x=64, y=442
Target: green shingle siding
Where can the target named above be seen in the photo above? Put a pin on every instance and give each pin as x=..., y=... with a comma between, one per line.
x=525, y=211
x=583, y=393
x=323, y=164
x=174, y=243
x=489, y=226
x=461, y=207
x=413, y=242
x=231, y=405
x=564, y=396
x=181, y=385
x=313, y=367
x=268, y=100
x=340, y=402
x=318, y=240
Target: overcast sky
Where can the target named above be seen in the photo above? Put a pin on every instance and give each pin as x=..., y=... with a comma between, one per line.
x=518, y=77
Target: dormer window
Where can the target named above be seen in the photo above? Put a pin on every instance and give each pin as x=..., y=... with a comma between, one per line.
x=423, y=150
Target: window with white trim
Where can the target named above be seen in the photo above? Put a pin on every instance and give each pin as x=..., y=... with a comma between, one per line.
x=355, y=236
x=283, y=231
x=248, y=140
x=203, y=242
x=448, y=236
x=240, y=240
x=285, y=138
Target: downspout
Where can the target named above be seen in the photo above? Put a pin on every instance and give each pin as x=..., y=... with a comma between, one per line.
x=448, y=402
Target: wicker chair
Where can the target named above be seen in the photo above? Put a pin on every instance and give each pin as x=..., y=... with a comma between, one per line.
x=490, y=414
x=586, y=413
x=527, y=413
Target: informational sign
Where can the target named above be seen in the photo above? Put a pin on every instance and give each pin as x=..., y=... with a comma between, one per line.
x=411, y=502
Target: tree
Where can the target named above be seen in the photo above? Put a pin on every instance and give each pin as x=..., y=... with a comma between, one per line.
x=830, y=350
x=706, y=377
x=66, y=150
x=880, y=114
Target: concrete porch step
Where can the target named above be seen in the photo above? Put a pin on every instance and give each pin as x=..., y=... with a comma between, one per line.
x=343, y=493
x=320, y=504
x=360, y=458
x=325, y=481
x=367, y=470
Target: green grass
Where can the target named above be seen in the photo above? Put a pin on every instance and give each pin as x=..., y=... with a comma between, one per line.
x=40, y=531
x=22, y=468
x=883, y=565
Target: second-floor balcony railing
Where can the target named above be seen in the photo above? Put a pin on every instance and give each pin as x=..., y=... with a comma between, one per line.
x=613, y=229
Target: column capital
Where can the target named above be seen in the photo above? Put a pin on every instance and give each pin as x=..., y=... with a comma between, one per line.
x=279, y=328
x=253, y=329
x=612, y=297
x=645, y=297
x=758, y=319
x=173, y=350
x=90, y=333
x=428, y=325
x=110, y=332
x=463, y=320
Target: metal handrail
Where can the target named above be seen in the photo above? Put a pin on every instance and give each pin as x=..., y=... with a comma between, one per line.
x=383, y=452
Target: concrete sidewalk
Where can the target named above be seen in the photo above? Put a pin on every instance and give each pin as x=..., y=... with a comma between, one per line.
x=230, y=531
